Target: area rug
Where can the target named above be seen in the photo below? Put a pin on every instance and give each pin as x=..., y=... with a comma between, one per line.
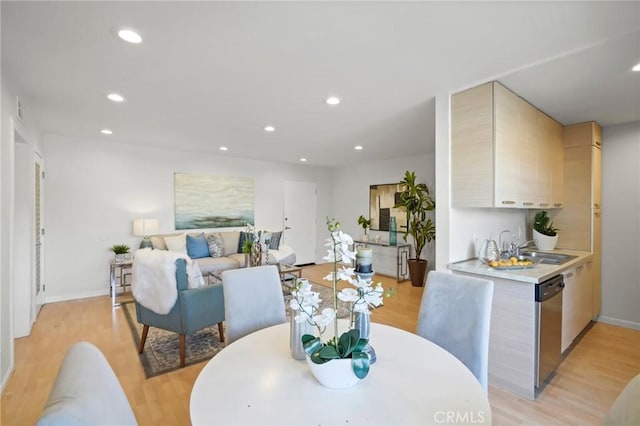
x=162, y=350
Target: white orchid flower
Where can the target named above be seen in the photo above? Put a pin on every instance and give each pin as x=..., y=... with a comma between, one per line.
x=324, y=318
x=349, y=295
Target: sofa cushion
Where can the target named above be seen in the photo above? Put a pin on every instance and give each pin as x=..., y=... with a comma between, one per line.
x=177, y=243
x=216, y=264
x=274, y=244
x=197, y=246
x=216, y=245
x=157, y=241
x=230, y=239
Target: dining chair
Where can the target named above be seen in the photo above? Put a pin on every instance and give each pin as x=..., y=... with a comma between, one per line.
x=455, y=314
x=86, y=392
x=625, y=410
x=253, y=300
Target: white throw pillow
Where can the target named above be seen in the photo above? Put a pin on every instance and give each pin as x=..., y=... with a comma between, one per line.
x=177, y=243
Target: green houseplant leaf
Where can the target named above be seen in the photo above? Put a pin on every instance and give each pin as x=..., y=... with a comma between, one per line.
x=416, y=201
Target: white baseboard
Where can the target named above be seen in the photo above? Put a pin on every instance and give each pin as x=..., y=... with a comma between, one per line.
x=73, y=296
x=619, y=322
x=6, y=377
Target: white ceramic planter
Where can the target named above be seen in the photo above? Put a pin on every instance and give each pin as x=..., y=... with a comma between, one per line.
x=335, y=374
x=545, y=242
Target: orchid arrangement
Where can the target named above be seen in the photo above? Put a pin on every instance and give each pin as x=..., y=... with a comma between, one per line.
x=362, y=297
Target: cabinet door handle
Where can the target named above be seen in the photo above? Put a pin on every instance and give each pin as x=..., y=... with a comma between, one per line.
x=579, y=268
x=596, y=205
x=557, y=204
x=596, y=214
x=508, y=202
x=543, y=204
x=598, y=143
x=527, y=203
x=569, y=275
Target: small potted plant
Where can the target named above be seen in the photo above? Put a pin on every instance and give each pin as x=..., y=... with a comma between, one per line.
x=544, y=233
x=120, y=251
x=365, y=223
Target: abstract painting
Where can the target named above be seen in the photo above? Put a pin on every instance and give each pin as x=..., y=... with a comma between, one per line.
x=205, y=201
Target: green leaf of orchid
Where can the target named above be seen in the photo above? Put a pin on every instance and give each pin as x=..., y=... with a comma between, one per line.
x=360, y=364
x=311, y=344
x=348, y=342
x=360, y=345
x=328, y=352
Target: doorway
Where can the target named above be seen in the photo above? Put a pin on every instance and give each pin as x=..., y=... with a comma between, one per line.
x=27, y=247
x=300, y=199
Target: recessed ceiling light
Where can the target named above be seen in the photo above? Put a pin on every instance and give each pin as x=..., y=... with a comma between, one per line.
x=358, y=147
x=636, y=68
x=223, y=148
x=115, y=97
x=106, y=132
x=333, y=100
x=129, y=35
x=269, y=129
x=303, y=160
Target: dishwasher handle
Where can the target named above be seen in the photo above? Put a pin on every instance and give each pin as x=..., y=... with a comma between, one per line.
x=547, y=289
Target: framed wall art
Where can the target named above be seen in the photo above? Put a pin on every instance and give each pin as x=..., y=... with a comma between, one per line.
x=206, y=201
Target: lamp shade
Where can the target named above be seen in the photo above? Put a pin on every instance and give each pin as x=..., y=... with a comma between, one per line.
x=145, y=227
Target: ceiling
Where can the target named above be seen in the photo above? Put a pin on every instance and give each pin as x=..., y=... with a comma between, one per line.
x=211, y=74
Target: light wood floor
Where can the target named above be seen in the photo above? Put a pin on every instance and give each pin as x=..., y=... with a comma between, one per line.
x=585, y=385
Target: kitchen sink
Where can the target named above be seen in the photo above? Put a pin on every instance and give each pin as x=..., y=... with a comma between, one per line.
x=549, y=258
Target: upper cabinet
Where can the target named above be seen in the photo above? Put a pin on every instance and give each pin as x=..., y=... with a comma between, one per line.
x=504, y=152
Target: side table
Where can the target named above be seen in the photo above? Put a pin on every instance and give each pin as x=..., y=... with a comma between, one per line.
x=119, y=276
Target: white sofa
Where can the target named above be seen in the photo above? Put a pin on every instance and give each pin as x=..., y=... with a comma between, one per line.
x=233, y=257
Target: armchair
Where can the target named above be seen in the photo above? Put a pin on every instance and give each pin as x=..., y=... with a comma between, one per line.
x=195, y=309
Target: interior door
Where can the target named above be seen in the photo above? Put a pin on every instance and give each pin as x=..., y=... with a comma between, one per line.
x=38, y=258
x=300, y=200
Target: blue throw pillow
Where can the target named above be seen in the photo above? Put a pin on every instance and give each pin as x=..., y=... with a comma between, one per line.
x=274, y=244
x=197, y=246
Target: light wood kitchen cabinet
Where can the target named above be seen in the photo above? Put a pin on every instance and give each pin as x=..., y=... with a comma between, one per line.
x=505, y=152
x=576, y=302
x=579, y=220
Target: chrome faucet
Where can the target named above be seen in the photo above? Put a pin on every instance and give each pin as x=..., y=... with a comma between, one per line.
x=519, y=247
x=503, y=249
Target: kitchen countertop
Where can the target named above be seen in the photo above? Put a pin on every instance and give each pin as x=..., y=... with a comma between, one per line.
x=540, y=272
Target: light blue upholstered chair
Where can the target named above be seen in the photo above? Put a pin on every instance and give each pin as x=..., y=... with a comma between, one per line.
x=195, y=309
x=253, y=300
x=86, y=392
x=455, y=314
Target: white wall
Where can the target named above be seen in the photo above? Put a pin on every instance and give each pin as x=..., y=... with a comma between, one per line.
x=95, y=188
x=621, y=225
x=351, y=192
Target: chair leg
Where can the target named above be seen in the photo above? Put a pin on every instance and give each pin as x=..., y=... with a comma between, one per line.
x=143, y=339
x=183, y=339
x=221, y=331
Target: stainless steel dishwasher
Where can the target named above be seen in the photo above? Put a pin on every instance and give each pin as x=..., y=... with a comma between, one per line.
x=549, y=322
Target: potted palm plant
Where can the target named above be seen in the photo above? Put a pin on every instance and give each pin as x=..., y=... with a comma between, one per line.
x=415, y=199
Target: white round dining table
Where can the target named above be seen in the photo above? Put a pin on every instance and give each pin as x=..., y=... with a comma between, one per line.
x=256, y=381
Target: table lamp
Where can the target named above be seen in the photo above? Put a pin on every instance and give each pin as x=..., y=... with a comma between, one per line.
x=143, y=228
